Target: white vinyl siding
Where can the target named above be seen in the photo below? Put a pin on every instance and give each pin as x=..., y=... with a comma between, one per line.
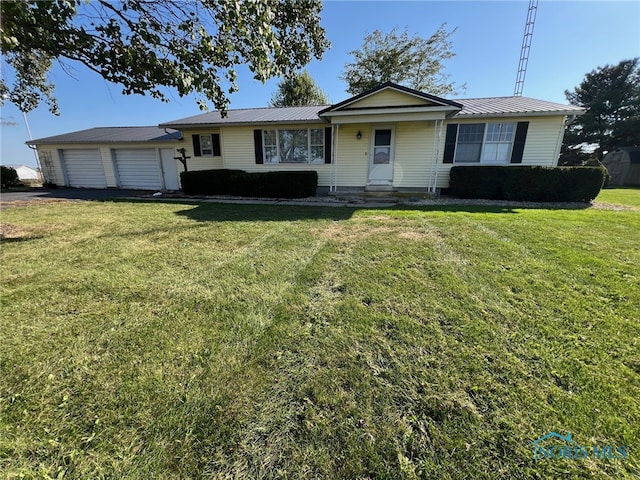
x=352, y=155
x=83, y=168
x=389, y=98
x=413, y=154
x=138, y=168
x=202, y=162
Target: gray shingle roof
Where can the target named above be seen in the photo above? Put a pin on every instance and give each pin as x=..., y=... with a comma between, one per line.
x=111, y=135
x=491, y=106
x=249, y=116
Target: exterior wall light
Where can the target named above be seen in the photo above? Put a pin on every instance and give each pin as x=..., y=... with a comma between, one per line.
x=359, y=135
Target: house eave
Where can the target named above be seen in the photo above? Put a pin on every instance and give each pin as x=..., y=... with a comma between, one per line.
x=560, y=113
x=197, y=126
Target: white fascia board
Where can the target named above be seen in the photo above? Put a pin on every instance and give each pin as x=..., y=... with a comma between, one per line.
x=388, y=118
x=392, y=110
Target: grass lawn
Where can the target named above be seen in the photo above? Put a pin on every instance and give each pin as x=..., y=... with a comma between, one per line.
x=175, y=340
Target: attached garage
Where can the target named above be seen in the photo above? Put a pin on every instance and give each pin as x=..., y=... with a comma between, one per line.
x=110, y=157
x=83, y=168
x=138, y=168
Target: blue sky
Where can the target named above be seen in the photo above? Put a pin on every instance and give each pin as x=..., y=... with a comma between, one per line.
x=569, y=40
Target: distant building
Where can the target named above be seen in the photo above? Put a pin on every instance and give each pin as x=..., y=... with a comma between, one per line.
x=25, y=172
x=624, y=166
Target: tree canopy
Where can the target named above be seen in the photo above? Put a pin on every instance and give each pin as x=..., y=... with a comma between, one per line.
x=298, y=90
x=192, y=46
x=611, y=97
x=414, y=62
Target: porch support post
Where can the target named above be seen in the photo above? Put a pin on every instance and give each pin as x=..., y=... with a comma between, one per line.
x=333, y=177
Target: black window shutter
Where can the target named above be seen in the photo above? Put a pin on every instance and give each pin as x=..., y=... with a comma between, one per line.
x=196, y=145
x=519, y=141
x=327, y=144
x=450, y=143
x=215, y=141
x=257, y=144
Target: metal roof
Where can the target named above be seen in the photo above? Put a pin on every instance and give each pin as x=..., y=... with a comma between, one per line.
x=247, y=116
x=471, y=108
x=111, y=135
x=506, y=106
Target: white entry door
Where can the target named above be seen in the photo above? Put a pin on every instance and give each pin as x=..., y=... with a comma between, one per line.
x=381, y=156
x=169, y=170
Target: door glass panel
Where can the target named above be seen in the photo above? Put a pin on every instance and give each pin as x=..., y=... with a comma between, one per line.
x=383, y=138
x=381, y=155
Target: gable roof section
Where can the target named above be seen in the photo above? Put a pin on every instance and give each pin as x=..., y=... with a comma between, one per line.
x=111, y=135
x=513, y=106
x=420, y=98
x=249, y=116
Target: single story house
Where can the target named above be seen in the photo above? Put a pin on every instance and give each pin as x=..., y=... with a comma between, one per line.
x=389, y=138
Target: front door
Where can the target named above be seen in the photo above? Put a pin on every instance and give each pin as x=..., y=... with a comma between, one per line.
x=169, y=170
x=381, y=156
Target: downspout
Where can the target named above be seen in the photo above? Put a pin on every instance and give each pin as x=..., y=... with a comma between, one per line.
x=565, y=122
x=433, y=156
x=334, y=157
x=437, y=155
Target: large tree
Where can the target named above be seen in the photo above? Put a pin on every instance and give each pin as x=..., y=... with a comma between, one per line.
x=298, y=90
x=611, y=97
x=414, y=62
x=151, y=47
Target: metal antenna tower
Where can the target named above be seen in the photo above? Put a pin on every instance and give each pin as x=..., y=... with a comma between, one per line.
x=526, y=47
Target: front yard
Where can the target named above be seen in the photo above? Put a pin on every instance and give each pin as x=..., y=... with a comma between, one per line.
x=176, y=340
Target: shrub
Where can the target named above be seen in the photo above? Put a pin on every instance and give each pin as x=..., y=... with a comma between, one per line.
x=527, y=183
x=208, y=182
x=240, y=183
x=8, y=177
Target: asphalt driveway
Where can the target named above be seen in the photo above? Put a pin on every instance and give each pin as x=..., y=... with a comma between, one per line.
x=40, y=194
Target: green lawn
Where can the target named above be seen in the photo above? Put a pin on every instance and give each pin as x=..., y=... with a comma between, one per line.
x=174, y=340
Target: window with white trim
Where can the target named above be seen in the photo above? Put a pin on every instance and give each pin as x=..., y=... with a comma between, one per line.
x=484, y=142
x=293, y=145
x=206, y=145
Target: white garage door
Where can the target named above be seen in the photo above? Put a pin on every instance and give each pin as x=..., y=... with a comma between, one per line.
x=83, y=168
x=138, y=168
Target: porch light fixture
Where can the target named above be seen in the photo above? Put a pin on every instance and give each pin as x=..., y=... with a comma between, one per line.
x=359, y=135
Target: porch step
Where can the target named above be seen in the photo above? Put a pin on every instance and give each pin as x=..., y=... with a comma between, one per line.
x=378, y=188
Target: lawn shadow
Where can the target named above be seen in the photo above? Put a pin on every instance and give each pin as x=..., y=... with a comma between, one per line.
x=227, y=212
x=488, y=208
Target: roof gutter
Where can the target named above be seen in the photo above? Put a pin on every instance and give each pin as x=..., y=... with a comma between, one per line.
x=519, y=114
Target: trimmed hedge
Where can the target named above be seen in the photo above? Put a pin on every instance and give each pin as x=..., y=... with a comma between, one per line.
x=244, y=184
x=527, y=183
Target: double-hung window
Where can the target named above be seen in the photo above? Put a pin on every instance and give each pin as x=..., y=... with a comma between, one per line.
x=293, y=145
x=484, y=142
x=206, y=145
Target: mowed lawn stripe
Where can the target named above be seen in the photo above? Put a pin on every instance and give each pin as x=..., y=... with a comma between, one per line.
x=221, y=341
